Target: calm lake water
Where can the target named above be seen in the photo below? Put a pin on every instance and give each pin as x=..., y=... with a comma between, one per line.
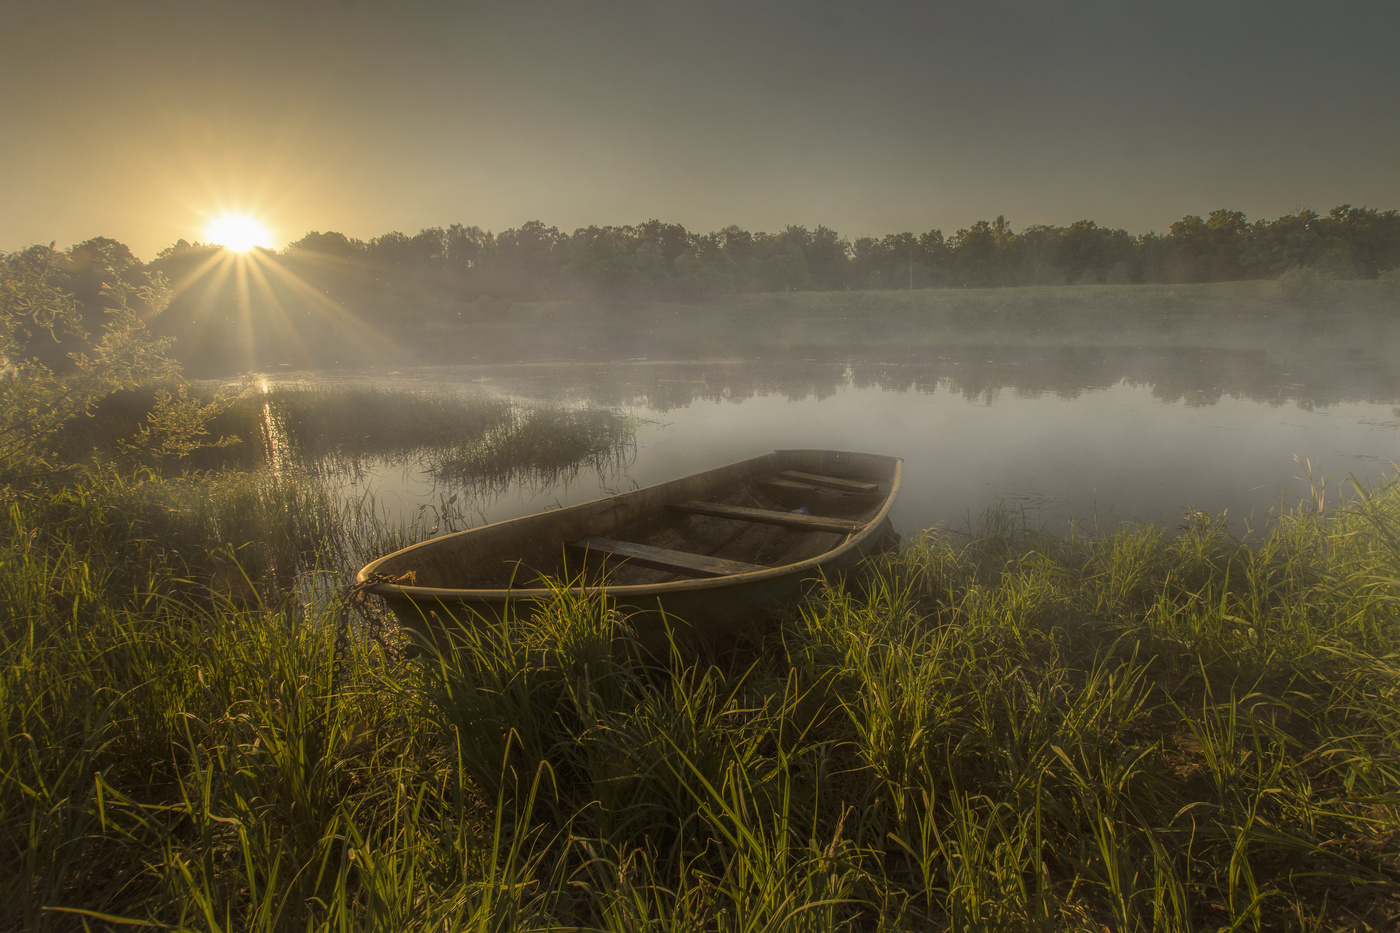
x=1062, y=435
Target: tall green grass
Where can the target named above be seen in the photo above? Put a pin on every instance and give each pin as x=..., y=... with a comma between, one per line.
x=1001, y=729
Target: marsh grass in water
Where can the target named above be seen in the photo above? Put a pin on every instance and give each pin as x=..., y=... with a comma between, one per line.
x=474, y=439
x=1000, y=729
x=539, y=446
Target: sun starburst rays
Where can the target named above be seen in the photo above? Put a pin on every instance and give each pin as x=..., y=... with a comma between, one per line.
x=273, y=307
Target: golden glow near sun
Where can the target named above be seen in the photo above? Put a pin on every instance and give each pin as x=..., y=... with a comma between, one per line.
x=237, y=232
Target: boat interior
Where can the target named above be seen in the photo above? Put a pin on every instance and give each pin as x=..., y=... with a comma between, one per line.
x=772, y=511
x=783, y=519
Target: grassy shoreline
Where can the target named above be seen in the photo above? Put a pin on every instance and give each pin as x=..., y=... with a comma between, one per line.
x=998, y=730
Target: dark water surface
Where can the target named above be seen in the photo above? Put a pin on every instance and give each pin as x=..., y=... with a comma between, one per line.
x=1063, y=435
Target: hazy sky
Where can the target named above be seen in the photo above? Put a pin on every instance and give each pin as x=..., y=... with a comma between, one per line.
x=140, y=119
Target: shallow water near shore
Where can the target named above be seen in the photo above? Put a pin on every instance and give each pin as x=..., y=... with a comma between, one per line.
x=1082, y=437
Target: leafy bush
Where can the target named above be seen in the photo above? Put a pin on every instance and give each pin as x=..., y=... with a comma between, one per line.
x=1304, y=287
x=47, y=383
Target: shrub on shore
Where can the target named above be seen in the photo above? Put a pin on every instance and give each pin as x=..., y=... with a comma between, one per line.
x=1304, y=287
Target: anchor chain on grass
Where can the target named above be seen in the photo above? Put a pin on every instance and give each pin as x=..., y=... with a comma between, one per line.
x=354, y=600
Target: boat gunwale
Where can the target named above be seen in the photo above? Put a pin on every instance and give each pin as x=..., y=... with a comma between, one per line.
x=491, y=596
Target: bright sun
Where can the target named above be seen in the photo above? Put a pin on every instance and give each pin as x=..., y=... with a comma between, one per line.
x=237, y=232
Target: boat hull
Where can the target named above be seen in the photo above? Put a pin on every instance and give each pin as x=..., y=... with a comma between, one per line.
x=503, y=570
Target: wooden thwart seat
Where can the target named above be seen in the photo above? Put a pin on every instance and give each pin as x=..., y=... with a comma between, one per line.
x=661, y=558
x=769, y=517
x=830, y=482
x=793, y=487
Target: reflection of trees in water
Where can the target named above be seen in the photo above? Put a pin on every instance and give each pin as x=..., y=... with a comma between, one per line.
x=666, y=386
x=1194, y=376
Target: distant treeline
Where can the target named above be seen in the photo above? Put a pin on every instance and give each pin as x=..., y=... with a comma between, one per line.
x=328, y=283
x=663, y=261
x=307, y=307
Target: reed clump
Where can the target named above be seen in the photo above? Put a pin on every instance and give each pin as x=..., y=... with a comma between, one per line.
x=1152, y=729
x=538, y=446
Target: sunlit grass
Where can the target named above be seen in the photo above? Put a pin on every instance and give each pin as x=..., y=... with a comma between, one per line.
x=996, y=729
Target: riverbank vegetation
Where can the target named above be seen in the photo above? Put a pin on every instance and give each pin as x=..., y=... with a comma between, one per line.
x=1000, y=729
x=225, y=314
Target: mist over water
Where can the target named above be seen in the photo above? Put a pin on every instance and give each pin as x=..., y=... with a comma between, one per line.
x=1083, y=435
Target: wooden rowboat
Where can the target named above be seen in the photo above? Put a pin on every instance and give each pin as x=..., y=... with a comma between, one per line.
x=712, y=551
